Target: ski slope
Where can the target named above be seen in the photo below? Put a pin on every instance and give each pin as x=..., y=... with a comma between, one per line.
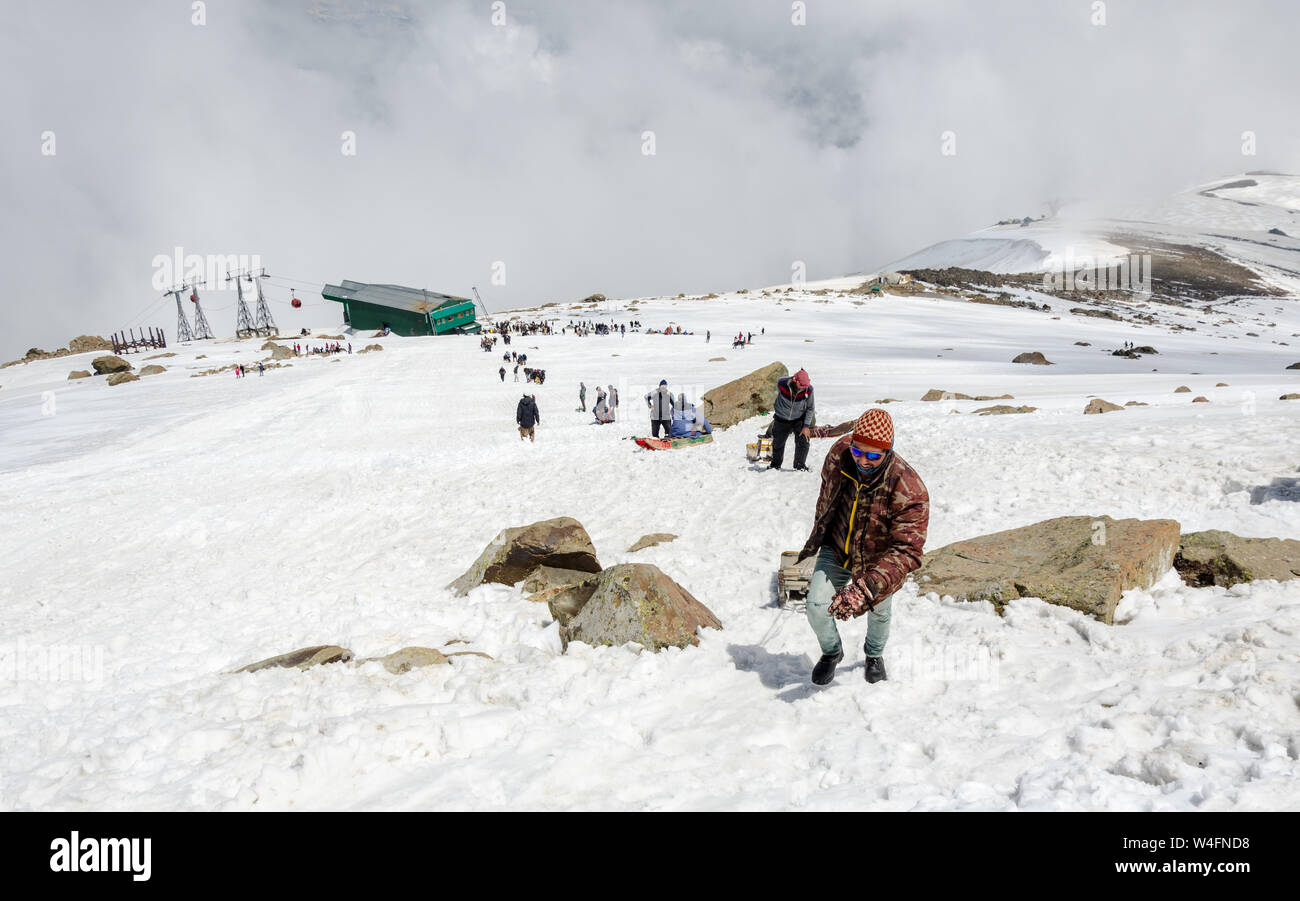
x=182, y=527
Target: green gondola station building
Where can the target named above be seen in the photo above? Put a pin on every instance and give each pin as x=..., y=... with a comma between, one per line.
x=406, y=311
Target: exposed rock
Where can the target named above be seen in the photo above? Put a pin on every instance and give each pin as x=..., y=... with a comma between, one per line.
x=153, y=369
x=1082, y=344
x=993, y=397
x=638, y=602
x=545, y=582
x=594, y=298
x=407, y=659
x=1145, y=349
x=160, y=356
x=651, y=540
x=889, y=400
x=280, y=352
x=717, y=359
x=302, y=658
x=78, y=374
x=1100, y=406
x=939, y=394
x=749, y=395
x=1136, y=403
x=1033, y=357
x=118, y=378
x=86, y=343
x=1294, y=366
x=511, y=557
x=1221, y=384
x=369, y=347
x=1200, y=400
x=110, y=363
x=1289, y=397
x=1182, y=389
x=1003, y=409
x=566, y=603
x=1221, y=558
x=1082, y=562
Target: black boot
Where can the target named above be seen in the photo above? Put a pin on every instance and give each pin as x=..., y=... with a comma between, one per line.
x=874, y=670
x=824, y=671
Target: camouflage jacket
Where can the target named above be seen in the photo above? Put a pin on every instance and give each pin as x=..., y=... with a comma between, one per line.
x=876, y=529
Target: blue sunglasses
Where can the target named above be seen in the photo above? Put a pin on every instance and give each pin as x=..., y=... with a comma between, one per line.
x=868, y=455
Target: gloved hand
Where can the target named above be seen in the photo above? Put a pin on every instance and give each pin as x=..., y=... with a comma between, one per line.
x=850, y=601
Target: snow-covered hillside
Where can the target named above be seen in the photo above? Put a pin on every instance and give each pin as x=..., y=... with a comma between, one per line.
x=176, y=528
x=1252, y=219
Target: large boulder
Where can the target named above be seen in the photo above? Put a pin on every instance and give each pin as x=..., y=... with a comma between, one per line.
x=303, y=658
x=638, y=602
x=750, y=395
x=110, y=363
x=1294, y=366
x=1097, y=405
x=86, y=343
x=1033, y=357
x=118, y=378
x=280, y=352
x=1082, y=562
x=512, y=556
x=1224, y=559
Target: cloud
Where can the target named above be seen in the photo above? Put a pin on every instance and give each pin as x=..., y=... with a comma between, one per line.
x=523, y=144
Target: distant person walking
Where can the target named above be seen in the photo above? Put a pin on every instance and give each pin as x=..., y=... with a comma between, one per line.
x=582, y=397
x=527, y=416
x=792, y=413
x=503, y=373
x=661, y=406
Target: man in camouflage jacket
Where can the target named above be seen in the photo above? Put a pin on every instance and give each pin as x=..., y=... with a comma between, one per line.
x=868, y=534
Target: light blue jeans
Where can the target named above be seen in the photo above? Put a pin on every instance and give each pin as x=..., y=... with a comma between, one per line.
x=829, y=577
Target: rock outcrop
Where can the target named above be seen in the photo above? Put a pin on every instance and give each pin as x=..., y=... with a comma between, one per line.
x=1082, y=562
x=78, y=374
x=749, y=395
x=560, y=543
x=637, y=602
x=153, y=369
x=1097, y=405
x=118, y=378
x=1221, y=558
x=86, y=343
x=1033, y=357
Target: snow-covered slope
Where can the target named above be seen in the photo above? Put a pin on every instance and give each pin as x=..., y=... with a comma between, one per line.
x=176, y=528
x=1237, y=218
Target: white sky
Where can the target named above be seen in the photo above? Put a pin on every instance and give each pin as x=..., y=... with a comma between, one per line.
x=523, y=143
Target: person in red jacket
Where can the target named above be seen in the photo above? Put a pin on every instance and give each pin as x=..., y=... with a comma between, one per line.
x=868, y=533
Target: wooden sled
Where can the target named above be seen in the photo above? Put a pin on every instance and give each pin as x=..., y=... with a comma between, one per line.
x=792, y=579
x=672, y=443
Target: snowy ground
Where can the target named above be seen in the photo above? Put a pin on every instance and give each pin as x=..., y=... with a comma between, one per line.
x=170, y=530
